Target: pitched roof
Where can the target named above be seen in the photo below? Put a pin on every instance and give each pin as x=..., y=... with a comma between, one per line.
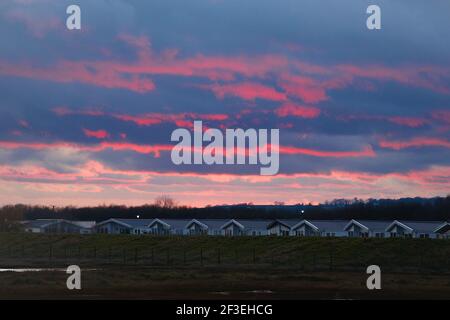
x=422, y=226
x=371, y=225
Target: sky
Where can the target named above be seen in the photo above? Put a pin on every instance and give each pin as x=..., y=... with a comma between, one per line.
x=86, y=115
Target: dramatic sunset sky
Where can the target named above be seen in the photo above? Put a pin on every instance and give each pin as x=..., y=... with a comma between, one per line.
x=86, y=116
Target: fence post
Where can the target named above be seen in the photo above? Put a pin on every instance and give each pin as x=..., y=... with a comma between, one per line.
x=331, y=258
x=314, y=261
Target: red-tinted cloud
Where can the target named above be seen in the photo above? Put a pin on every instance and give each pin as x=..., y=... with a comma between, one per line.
x=305, y=88
x=99, y=134
x=97, y=74
x=102, y=146
x=246, y=91
x=412, y=122
x=290, y=109
x=180, y=119
x=415, y=143
x=442, y=115
x=366, y=152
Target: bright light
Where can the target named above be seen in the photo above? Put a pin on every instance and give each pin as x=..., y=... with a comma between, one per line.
x=137, y=216
x=303, y=211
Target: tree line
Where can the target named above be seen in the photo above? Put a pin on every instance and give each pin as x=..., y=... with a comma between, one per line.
x=164, y=207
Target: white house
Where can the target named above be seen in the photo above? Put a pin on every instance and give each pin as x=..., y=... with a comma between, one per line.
x=232, y=228
x=305, y=229
x=248, y=227
x=59, y=226
x=367, y=228
x=323, y=228
x=280, y=227
x=443, y=231
x=117, y=226
x=195, y=227
x=413, y=229
x=244, y=227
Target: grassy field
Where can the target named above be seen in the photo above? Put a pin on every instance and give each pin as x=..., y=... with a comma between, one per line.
x=124, y=266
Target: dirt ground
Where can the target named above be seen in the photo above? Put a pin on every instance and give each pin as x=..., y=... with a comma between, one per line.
x=219, y=283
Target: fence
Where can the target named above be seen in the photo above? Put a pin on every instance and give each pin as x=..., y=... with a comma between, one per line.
x=332, y=259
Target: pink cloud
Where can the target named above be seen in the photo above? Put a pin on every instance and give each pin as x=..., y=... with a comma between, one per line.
x=297, y=78
x=366, y=152
x=290, y=109
x=105, y=145
x=92, y=73
x=99, y=134
x=409, y=121
x=415, y=143
x=180, y=119
x=305, y=88
x=246, y=91
x=442, y=115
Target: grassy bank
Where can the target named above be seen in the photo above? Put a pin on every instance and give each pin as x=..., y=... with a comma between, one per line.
x=346, y=254
x=124, y=266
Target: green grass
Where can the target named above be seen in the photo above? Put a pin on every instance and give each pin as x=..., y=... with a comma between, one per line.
x=125, y=266
x=402, y=255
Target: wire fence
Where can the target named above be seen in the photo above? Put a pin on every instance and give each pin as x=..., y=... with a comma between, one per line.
x=333, y=259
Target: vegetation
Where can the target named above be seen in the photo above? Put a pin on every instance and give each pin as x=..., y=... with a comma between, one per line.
x=125, y=266
x=164, y=207
x=309, y=253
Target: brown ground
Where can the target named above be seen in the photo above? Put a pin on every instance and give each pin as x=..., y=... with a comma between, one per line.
x=220, y=283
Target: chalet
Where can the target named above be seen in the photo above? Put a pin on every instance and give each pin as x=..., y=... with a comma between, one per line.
x=323, y=228
x=412, y=229
x=366, y=228
x=118, y=226
x=247, y=227
x=59, y=226
x=195, y=227
x=244, y=227
x=210, y=227
x=443, y=231
x=305, y=229
x=232, y=228
x=280, y=227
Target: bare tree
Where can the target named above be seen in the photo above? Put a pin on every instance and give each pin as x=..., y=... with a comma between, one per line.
x=165, y=201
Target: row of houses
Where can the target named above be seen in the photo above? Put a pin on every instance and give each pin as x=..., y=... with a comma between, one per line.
x=238, y=227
